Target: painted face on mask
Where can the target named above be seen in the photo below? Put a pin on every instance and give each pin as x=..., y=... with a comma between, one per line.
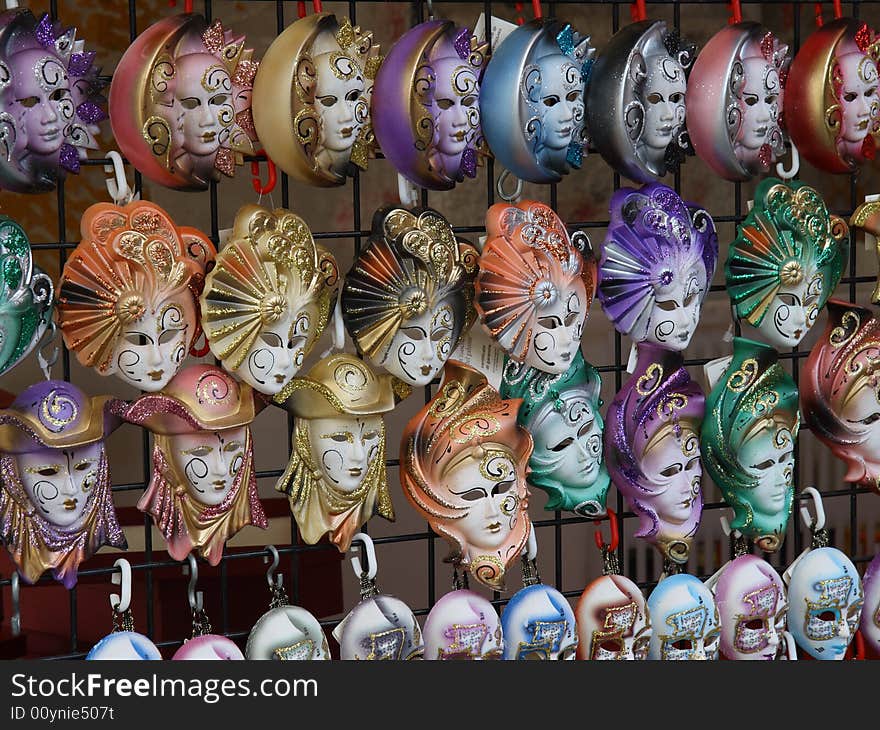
x=43, y=99
x=455, y=106
x=768, y=458
x=676, y=312
x=210, y=461
x=672, y=464
x=421, y=346
x=463, y=625
x=792, y=313
x=664, y=101
x=685, y=620
x=561, y=101
x=857, y=96
x=759, y=102
x=557, y=333
x=59, y=482
x=612, y=620
x=568, y=442
x=340, y=102
x=344, y=448
x=204, y=93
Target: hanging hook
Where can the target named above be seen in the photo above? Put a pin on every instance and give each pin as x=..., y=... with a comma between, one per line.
x=838, y=9
x=818, y=11
x=819, y=522
x=531, y=551
x=511, y=197
x=430, y=4
x=367, y=551
x=536, y=9
x=118, y=603
x=256, y=182
x=47, y=361
x=117, y=185
x=274, y=581
x=195, y=598
x=187, y=5
x=611, y=516
x=726, y=528
x=15, y=620
x=407, y=192
x=788, y=174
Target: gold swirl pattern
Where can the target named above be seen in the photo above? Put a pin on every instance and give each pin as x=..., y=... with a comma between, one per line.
x=850, y=323
x=742, y=378
x=649, y=382
x=57, y=410
x=448, y=399
x=352, y=377
x=476, y=426
x=213, y=388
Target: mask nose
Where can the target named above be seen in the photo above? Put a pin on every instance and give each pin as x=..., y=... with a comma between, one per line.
x=491, y=509
x=49, y=114
x=154, y=354
x=346, y=112
x=358, y=452
x=68, y=487
x=425, y=350
x=843, y=630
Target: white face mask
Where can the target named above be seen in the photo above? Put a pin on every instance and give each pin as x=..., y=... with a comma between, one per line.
x=421, y=346
x=675, y=313
x=792, y=313
x=556, y=336
x=857, y=96
x=339, y=101
x=759, y=101
x=673, y=468
x=59, y=482
x=568, y=444
x=204, y=95
x=149, y=351
x=124, y=645
x=209, y=462
x=344, y=448
x=664, y=101
x=455, y=108
x=562, y=101
x=769, y=458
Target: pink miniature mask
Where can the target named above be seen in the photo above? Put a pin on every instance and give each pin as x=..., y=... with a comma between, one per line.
x=463, y=625
x=210, y=647
x=612, y=620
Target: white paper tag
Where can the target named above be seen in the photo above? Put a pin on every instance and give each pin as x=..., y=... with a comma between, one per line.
x=750, y=204
x=633, y=358
x=479, y=351
x=870, y=238
x=500, y=30
x=223, y=235
x=481, y=242
x=714, y=369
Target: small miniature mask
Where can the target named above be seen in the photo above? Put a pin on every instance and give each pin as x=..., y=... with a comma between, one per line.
x=26, y=297
x=636, y=100
x=541, y=69
x=870, y=621
x=128, y=301
x=268, y=299
x=49, y=102
x=408, y=299
x=463, y=625
x=428, y=123
x=561, y=412
x=210, y=647
x=463, y=468
x=652, y=449
x=839, y=393
x=748, y=441
x=312, y=99
x=825, y=602
x=786, y=260
x=538, y=623
x=336, y=477
x=380, y=628
x=612, y=620
x=180, y=102
x=204, y=486
x=685, y=620
x=287, y=633
x=657, y=263
x=751, y=602
x=535, y=286
x=832, y=109
x=735, y=106
x=56, y=509
x=124, y=645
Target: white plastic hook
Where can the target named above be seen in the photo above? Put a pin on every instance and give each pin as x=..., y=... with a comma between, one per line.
x=11, y=4
x=790, y=646
x=509, y=197
x=196, y=598
x=795, y=165
x=337, y=330
x=15, y=620
x=727, y=529
x=117, y=185
x=274, y=581
x=817, y=505
x=407, y=191
x=369, y=549
x=118, y=603
x=531, y=551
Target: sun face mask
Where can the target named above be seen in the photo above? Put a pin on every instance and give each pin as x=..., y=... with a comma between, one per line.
x=463, y=625
x=312, y=99
x=735, y=108
x=428, y=123
x=870, y=621
x=463, y=468
x=287, y=633
x=540, y=69
x=825, y=602
x=336, y=477
x=751, y=602
x=652, y=449
x=748, y=441
x=786, y=260
x=380, y=628
x=685, y=620
x=49, y=102
x=535, y=285
x=538, y=623
x=204, y=485
x=268, y=298
x=561, y=412
x=128, y=300
x=832, y=110
x=26, y=297
x=657, y=263
x=56, y=509
x=612, y=620
x=636, y=100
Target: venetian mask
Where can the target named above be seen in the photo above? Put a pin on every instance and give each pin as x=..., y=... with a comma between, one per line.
x=428, y=124
x=336, y=477
x=825, y=602
x=541, y=68
x=535, y=285
x=380, y=628
x=311, y=99
x=685, y=620
x=463, y=625
x=636, y=100
x=203, y=488
x=124, y=645
x=652, y=449
x=56, y=509
x=128, y=300
x=832, y=108
x=208, y=647
x=786, y=260
x=561, y=412
x=657, y=263
x=408, y=299
x=26, y=297
x=538, y=623
x=463, y=468
x=870, y=621
x=268, y=298
x=751, y=602
x=612, y=620
x=178, y=102
x=735, y=108
x=748, y=441
x=287, y=633
x=49, y=102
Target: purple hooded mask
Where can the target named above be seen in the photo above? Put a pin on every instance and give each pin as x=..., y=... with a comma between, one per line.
x=652, y=447
x=56, y=508
x=657, y=262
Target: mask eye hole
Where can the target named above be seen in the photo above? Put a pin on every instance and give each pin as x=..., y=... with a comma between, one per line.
x=610, y=645
x=139, y=339
x=353, y=95
x=445, y=103
x=48, y=471
x=826, y=616
x=190, y=103
x=755, y=624
x=683, y=645
x=29, y=102
x=572, y=96
x=270, y=339
x=562, y=445
x=551, y=101
x=167, y=336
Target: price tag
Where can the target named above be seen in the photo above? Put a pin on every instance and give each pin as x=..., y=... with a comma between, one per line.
x=500, y=30
x=479, y=351
x=714, y=369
